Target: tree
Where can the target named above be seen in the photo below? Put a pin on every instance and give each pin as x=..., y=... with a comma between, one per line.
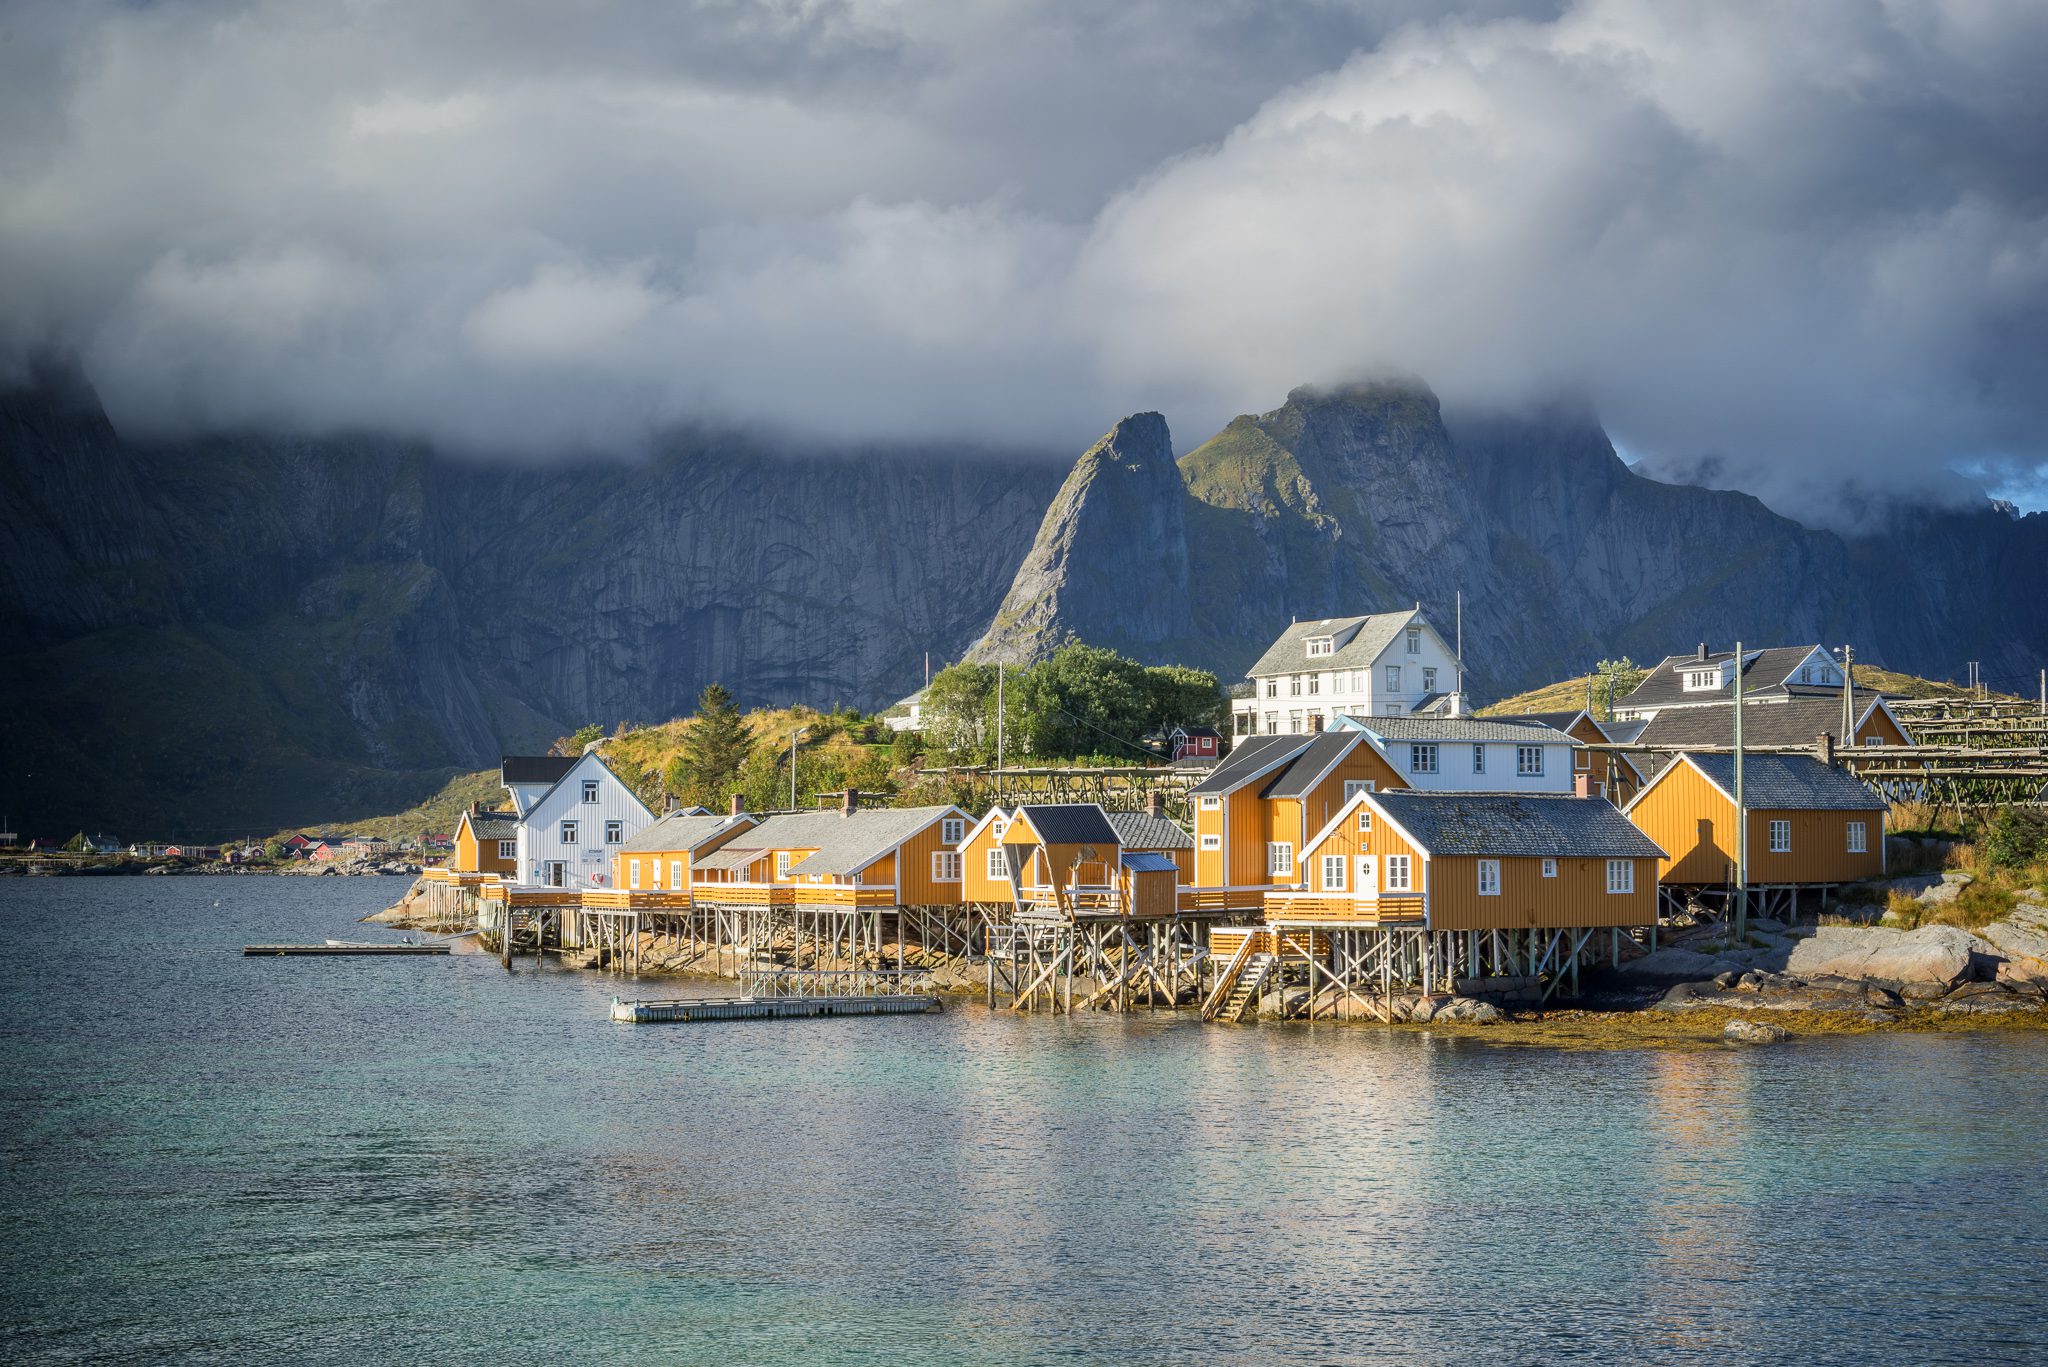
x=715, y=745
x=273, y=850
x=583, y=736
x=1083, y=700
x=1176, y=695
x=959, y=713
x=1614, y=680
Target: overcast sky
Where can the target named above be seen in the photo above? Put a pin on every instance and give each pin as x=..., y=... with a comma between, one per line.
x=1796, y=245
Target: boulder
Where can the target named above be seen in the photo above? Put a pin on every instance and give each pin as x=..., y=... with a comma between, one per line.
x=1892, y=958
x=1755, y=1032
x=2022, y=937
x=1673, y=964
x=1987, y=1004
x=1470, y=1010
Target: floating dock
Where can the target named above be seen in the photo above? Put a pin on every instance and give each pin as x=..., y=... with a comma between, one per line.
x=767, y=1008
x=284, y=950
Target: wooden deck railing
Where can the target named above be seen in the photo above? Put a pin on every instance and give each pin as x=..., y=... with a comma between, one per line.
x=1336, y=908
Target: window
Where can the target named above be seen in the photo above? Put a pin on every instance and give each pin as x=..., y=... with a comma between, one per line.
x=1415, y=640
x=1621, y=875
x=1210, y=804
x=1333, y=873
x=1392, y=709
x=568, y=832
x=1354, y=786
x=1280, y=858
x=945, y=866
x=998, y=826
x=632, y=873
x=1422, y=758
x=590, y=790
x=1489, y=878
x=998, y=865
x=1365, y=818
x=1529, y=761
x=508, y=849
x=1781, y=837
x=1212, y=842
x=1857, y=838
x=1478, y=759
x=951, y=829
x=1294, y=722
x=614, y=832
x=1698, y=679
x=1399, y=876
x=1322, y=645
x=1294, y=685
x=1550, y=868
x=1806, y=673
x=1272, y=688
x=1873, y=740
x=1582, y=758
x=1429, y=680
x=1272, y=723
x=675, y=874
x=1393, y=678
x=782, y=863
x=1315, y=683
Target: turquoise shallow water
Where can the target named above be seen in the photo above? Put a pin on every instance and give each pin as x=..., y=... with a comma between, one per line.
x=427, y=1160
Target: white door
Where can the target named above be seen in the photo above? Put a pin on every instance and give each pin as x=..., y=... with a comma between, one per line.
x=1368, y=876
x=558, y=874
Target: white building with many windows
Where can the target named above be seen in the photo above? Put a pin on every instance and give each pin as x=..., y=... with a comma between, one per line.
x=1474, y=754
x=569, y=833
x=1388, y=664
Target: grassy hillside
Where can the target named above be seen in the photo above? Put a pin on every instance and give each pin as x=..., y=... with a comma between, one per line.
x=1568, y=695
x=437, y=814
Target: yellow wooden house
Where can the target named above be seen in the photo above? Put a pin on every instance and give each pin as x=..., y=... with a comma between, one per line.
x=1810, y=824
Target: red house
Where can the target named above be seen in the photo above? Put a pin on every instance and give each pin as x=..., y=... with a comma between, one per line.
x=1198, y=743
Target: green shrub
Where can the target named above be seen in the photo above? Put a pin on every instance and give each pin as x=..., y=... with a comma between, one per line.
x=2016, y=838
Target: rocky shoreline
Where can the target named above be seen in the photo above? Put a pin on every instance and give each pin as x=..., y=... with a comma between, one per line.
x=122, y=865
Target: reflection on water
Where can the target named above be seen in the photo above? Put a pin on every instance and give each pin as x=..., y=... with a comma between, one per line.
x=361, y=1160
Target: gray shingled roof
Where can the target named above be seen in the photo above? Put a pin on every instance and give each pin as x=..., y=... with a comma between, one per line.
x=1461, y=728
x=1556, y=721
x=729, y=857
x=494, y=825
x=1143, y=831
x=535, y=768
x=840, y=842
x=1790, y=783
x=1069, y=823
x=1511, y=825
x=678, y=831
x=1793, y=721
x=1250, y=755
x=1765, y=675
x=1621, y=732
x=1299, y=774
x=1368, y=636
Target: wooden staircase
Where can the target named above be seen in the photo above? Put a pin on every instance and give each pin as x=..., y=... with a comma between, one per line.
x=1244, y=993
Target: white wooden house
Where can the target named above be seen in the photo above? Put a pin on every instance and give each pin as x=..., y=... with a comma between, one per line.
x=1387, y=664
x=569, y=833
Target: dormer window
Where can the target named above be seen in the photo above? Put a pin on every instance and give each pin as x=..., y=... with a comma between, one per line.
x=1701, y=680
x=1322, y=645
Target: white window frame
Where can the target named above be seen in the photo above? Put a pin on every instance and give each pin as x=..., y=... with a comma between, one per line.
x=675, y=875
x=1429, y=678
x=1212, y=842
x=1393, y=678
x=782, y=863
x=1322, y=645
x=1333, y=873
x=508, y=849
x=1550, y=868
x=1212, y=804
x=1280, y=859
x=998, y=865
x=633, y=874
x=945, y=866
x=1873, y=740
x=614, y=832
x=1365, y=819
x=1582, y=758
x=1780, y=836
x=1529, y=761
x=951, y=829
x=1621, y=876
x=1400, y=873
x=1478, y=759
x=1417, y=751
x=568, y=831
x=1859, y=838
x=1489, y=877
x=592, y=790
x=1354, y=786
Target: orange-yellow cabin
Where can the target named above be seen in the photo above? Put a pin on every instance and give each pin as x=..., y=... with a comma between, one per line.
x=884, y=856
x=1260, y=807
x=1809, y=823
x=486, y=842
x=661, y=858
x=1473, y=861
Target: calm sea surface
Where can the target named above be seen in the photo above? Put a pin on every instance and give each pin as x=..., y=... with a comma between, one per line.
x=428, y=1160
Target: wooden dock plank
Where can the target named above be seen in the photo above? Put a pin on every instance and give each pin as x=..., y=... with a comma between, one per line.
x=285, y=951
x=766, y=1008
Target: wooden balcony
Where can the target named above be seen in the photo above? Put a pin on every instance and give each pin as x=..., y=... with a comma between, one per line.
x=1290, y=944
x=1400, y=909
x=1218, y=901
x=636, y=899
x=744, y=894
x=843, y=896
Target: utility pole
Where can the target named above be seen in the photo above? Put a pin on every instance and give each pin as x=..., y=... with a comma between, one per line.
x=793, y=736
x=1848, y=695
x=2044, y=692
x=1000, y=672
x=1741, y=815
x=1461, y=651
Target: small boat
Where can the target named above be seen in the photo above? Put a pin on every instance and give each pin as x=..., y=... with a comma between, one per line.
x=370, y=944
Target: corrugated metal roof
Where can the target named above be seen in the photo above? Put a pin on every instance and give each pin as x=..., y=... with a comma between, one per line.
x=1143, y=861
x=1790, y=783
x=844, y=843
x=1460, y=728
x=1510, y=825
x=535, y=768
x=1143, y=831
x=679, y=831
x=1069, y=823
x=1250, y=755
x=1300, y=774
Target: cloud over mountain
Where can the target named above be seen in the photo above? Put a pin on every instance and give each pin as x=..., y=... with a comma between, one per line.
x=1801, y=244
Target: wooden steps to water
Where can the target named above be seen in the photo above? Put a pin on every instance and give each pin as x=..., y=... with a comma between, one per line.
x=285, y=951
x=766, y=1008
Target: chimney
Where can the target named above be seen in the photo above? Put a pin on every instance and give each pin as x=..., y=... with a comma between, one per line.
x=671, y=803
x=1824, y=747
x=1582, y=785
x=1703, y=652
x=733, y=807
x=849, y=800
x=1155, y=803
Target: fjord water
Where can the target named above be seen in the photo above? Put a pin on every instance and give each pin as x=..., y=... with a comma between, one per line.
x=429, y=1160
